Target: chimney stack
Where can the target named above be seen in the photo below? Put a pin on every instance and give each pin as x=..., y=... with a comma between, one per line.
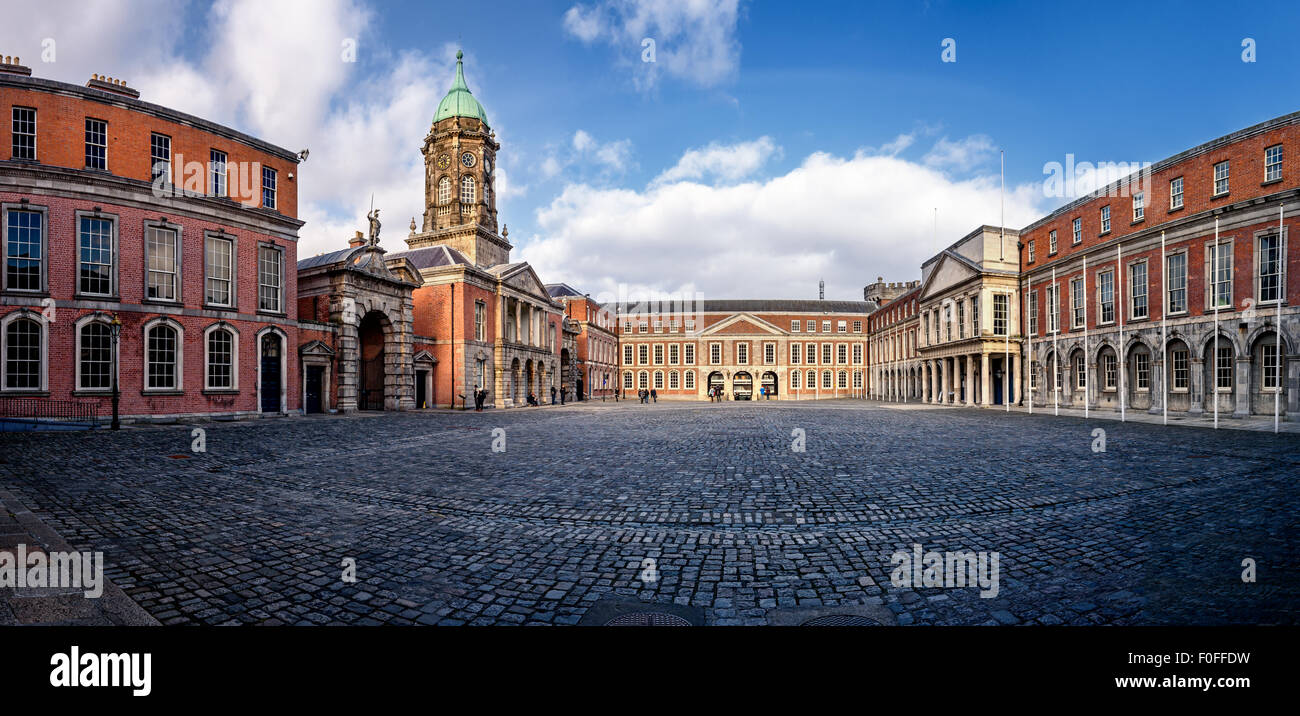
x=114, y=86
x=358, y=240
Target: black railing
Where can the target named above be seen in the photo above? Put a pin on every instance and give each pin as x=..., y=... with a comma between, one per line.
x=75, y=411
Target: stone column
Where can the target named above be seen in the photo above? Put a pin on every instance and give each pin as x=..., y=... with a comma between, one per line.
x=985, y=390
x=1196, y=396
x=1291, y=374
x=1241, y=383
x=970, y=379
x=943, y=381
x=1157, y=385
x=1015, y=385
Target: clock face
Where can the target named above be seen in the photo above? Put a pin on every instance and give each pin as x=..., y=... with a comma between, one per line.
x=444, y=161
x=467, y=159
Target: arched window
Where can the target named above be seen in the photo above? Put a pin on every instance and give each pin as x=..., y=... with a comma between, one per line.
x=842, y=380
x=688, y=380
x=467, y=190
x=444, y=190
x=672, y=380
x=94, y=355
x=826, y=379
x=162, y=357
x=22, y=355
x=220, y=360
x=659, y=380
x=812, y=380
x=794, y=379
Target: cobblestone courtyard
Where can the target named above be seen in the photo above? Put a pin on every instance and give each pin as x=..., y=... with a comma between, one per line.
x=742, y=528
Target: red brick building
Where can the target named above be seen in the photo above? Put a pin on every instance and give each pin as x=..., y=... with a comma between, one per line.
x=1199, y=236
x=746, y=349
x=596, y=365
x=179, y=233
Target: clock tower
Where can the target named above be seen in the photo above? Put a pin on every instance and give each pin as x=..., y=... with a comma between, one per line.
x=460, y=155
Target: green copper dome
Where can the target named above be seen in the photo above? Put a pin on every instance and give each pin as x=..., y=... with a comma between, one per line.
x=459, y=102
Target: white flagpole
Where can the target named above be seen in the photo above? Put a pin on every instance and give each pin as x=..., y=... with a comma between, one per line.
x=1087, y=379
x=1164, y=329
x=1056, y=354
x=1119, y=307
x=1281, y=289
x=1030, y=337
x=1214, y=296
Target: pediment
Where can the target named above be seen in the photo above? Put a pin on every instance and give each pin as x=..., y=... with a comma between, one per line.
x=316, y=348
x=951, y=270
x=524, y=279
x=742, y=324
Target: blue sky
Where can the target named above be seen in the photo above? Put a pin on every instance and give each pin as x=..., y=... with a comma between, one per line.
x=771, y=143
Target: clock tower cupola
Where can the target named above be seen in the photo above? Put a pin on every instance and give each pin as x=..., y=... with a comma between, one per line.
x=460, y=154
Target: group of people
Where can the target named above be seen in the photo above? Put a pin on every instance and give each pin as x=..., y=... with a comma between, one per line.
x=480, y=397
x=648, y=395
x=715, y=394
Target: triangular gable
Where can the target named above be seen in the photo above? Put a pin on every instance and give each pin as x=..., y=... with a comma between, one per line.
x=423, y=357
x=950, y=271
x=741, y=323
x=523, y=278
x=316, y=348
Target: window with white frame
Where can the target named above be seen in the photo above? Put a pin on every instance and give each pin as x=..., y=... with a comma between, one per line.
x=674, y=353
x=162, y=257
x=1178, y=364
x=812, y=326
x=1078, y=230
x=1221, y=178
x=23, y=339
x=1273, y=163
x=220, y=359
x=627, y=380
x=467, y=190
x=961, y=318
x=95, y=255
x=162, y=357
x=270, y=279
x=1076, y=303
x=842, y=379
x=480, y=320
x=1268, y=267
x=1223, y=369
x=444, y=193
x=96, y=144
x=627, y=354
x=1139, y=206
x=1080, y=372
x=1137, y=290
x=1105, y=219
x=1218, y=259
x=1270, y=378
x=1030, y=248
x=216, y=173
x=810, y=353
x=842, y=326
x=642, y=353
x=794, y=353
x=659, y=380
x=269, y=184
x=1001, y=314
x=688, y=380
x=24, y=250
x=219, y=267
x=742, y=353
x=794, y=379
x=826, y=354
x=826, y=326
x=1109, y=371
x=688, y=354
x=94, y=355
x=643, y=380
x=160, y=158
x=794, y=326
x=857, y=326
x=1176, y=282
x=24, y=133
x=673, y=380
x=1175, y=193
x=715, y=353
x=1053, y=309
x=857, y=354
x=658, y=325
x=769, y=353
x=857, y=379
x=842, y=353
x=1142, y=370
x=1033, y=313
x=1051, y=242
x=1106, y=296
x=659, y=354
x=826, y=379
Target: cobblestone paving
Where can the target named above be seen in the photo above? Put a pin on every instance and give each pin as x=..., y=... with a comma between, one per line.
x=445, y=531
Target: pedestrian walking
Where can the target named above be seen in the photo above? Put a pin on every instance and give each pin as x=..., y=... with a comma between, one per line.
x=552, y=395
x=654, y=394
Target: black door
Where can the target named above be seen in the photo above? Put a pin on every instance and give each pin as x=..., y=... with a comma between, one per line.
x=580, y=388
x=270, y=374
x=421, y=397
x=315, y=377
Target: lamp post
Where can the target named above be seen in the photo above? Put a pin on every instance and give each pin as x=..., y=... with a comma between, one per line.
x=116, y=327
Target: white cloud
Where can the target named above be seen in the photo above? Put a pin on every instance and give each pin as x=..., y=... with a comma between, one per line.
x=585, y=151
x=725, y=162
x=962, y=155
x=844, y=219
x=694, y=40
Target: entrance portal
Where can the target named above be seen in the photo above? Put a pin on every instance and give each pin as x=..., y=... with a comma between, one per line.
x=370, y=378
x=270, y=380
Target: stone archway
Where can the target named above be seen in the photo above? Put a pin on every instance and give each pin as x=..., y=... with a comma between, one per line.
x=372, y=378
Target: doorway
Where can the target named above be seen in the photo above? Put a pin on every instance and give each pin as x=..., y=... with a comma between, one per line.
x=270, y=378
x=315, y=383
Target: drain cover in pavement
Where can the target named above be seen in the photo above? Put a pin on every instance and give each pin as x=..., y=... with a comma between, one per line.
x=648, y=619
x=841, y=620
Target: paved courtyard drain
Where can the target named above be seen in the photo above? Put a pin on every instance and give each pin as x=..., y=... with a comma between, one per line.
x=648, y=619
x=841, y=620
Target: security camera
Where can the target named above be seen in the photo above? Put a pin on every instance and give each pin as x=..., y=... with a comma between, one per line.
x=302, y=156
